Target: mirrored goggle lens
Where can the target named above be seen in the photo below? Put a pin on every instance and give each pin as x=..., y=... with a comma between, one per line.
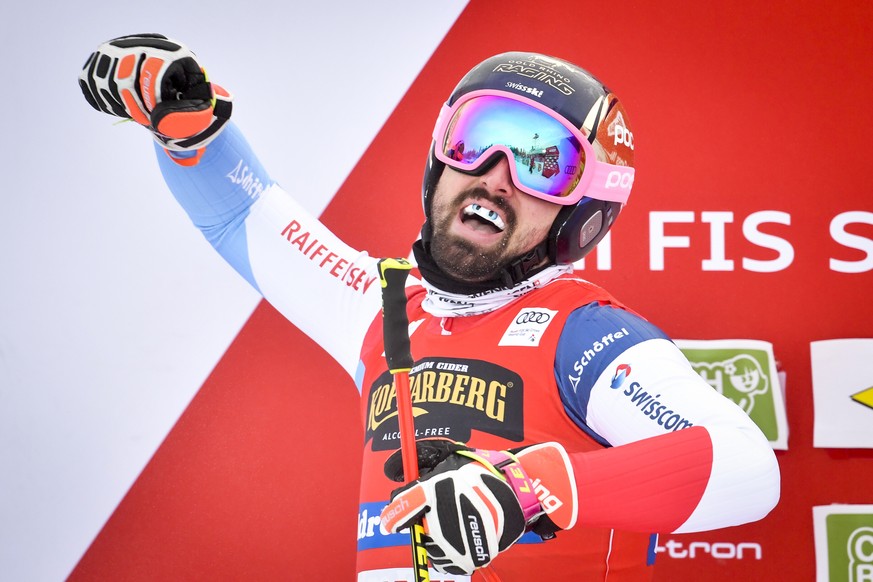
x=548, y=156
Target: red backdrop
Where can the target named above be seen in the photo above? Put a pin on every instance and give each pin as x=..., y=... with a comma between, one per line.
x=741, y=107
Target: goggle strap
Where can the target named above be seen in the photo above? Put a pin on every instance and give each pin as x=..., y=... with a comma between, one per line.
x=444, y=111
x=611, y=183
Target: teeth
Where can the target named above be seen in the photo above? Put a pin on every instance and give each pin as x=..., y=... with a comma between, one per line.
x=485, y=214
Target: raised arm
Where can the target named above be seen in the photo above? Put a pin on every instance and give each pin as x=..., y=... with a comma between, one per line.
x=315, y=280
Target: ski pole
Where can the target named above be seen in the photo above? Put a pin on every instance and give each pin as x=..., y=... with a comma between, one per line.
x=398, y=354
x=395, y=331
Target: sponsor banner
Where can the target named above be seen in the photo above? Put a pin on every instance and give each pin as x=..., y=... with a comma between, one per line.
x=684, y=548
x=842, y=391
x=843, y=543
x=450, y=397
x=371, y=534
x=744, y=371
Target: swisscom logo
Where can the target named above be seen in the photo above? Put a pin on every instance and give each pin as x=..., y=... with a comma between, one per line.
x=621, y=374
x=649, y=403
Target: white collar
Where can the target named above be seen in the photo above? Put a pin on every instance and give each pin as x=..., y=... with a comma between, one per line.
x=441, y=303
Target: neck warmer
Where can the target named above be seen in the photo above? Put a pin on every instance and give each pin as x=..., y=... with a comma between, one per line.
x=447, y=297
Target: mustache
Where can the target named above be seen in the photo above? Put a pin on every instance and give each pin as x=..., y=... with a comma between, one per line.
x=481, y=194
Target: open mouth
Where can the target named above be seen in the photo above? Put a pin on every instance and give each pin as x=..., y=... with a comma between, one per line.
x=483, y=219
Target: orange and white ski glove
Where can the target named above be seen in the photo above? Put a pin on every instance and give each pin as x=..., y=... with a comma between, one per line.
x=478, y=503
x=157, y=82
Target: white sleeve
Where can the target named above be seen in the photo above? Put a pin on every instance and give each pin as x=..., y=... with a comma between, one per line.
x=675, y=443
x=320, y=284
x=661, y=394
x=323, y=286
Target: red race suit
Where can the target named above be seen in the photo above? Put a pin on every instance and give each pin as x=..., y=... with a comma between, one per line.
x=654, y=448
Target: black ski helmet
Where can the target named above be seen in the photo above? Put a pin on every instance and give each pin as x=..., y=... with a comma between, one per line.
x=578, y=97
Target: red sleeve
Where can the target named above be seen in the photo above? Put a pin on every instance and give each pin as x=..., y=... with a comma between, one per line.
x=652, y=485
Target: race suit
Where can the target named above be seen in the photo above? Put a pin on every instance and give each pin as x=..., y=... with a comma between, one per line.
x=654, y=447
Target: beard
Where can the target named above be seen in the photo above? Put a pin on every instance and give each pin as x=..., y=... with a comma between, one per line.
x=464, y=260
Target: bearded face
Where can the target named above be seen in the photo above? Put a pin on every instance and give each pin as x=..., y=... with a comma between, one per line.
x=482, y=223
x=479, y=254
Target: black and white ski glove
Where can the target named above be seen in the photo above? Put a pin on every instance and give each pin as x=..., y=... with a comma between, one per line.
x=157, y=82
x=478, y=503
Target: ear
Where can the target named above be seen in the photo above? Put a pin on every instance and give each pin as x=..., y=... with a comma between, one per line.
x=577, y=229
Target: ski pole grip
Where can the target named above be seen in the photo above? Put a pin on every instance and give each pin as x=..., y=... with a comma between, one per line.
x=395, y=323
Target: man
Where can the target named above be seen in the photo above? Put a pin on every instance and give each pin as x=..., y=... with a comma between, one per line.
x=560, y=430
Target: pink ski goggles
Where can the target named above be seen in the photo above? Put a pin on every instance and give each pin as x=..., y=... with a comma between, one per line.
x=548, y=158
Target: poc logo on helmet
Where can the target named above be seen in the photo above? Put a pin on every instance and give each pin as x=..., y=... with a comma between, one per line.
x=620, y=133
x=623, y=136
x=621, y=179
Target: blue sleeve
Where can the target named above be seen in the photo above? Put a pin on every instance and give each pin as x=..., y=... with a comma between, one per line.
x=218, y=192
x=593, y=337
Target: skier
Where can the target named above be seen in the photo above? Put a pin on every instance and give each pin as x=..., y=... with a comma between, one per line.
x=559, y=429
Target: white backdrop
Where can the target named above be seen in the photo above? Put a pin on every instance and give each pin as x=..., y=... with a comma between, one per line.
x=113, y=310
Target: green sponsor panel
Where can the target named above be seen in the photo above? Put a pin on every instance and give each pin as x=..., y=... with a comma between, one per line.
x=744, y=376
x=850, y=547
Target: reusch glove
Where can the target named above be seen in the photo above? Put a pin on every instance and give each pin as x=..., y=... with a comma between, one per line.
x=158, y=83
x=478, y=503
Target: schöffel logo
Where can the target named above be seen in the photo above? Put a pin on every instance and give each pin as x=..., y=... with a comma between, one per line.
x=589, y=354
x=621, y=374
x=245, y=178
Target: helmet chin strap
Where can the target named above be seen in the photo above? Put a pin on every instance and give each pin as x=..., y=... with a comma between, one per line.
x=512, y=274
x=526, y=265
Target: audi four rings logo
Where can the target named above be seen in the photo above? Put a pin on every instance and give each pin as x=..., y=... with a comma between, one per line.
x=533, y=317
